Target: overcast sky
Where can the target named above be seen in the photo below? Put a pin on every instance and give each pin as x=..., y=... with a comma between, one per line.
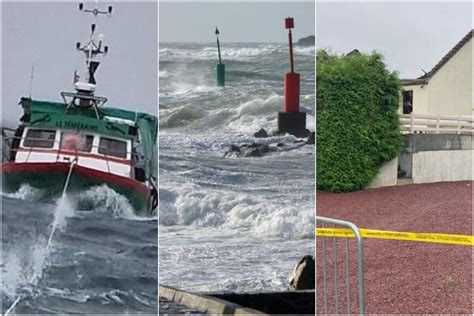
x=412, y=36
x=44, y=34
x=237, y=21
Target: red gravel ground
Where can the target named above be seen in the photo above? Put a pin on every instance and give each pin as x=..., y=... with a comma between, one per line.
x=405, y=277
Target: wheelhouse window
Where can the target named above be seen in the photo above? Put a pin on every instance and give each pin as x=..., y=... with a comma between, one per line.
x=39, y=138
x=76, y=142
x=113, y=147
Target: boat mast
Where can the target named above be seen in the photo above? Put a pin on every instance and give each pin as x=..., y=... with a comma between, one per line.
x=84, y=96
x=93, y=48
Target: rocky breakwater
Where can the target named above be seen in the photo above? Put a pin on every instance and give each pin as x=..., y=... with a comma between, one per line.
x=257, y=149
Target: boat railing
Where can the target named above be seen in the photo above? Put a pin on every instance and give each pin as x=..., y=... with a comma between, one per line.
x=6, y=145
x=7, y=129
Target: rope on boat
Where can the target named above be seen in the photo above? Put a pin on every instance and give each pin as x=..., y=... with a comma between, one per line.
x=66, y=184
x=13, y=305
x=61, y=200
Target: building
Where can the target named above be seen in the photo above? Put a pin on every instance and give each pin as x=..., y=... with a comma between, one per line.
x=437, y=122
x=446, y=90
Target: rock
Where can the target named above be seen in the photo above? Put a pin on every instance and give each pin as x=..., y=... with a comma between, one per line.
x=260, y=150
x=234, y=151
x=303, y=276
x=234, y=148
x=257, y=150
x=261, y=134
x=311, y=139
x=246, y=150
x=307, y=41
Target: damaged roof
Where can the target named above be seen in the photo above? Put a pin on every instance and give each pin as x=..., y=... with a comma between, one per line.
x=424, y=79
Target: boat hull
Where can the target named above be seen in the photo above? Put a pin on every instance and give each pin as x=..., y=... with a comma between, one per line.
x=51, y=177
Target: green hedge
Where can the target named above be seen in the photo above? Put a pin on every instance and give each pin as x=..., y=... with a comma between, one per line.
x=357, y=121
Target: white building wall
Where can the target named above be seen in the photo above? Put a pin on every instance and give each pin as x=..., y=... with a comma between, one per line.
x=449, y=90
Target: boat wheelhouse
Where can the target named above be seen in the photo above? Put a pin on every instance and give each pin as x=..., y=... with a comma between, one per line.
x=81, y=143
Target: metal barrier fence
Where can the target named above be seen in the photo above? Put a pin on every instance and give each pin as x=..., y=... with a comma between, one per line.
x=333, y=282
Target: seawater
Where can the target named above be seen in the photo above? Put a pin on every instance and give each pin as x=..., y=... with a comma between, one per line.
x=101, y=260
x=231, y=224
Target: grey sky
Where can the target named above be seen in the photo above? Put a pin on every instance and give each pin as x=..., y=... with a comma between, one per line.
x=237, y=21
x=412, y=36
x=44, y=34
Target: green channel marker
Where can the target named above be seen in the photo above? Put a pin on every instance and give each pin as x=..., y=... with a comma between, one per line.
x=220, y=75
x=220, y=68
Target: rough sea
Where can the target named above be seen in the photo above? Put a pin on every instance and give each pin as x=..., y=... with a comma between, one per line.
x=100, y=260
x=234, y=224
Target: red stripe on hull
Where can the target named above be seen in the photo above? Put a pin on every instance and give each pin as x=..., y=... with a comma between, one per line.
x=87, y=172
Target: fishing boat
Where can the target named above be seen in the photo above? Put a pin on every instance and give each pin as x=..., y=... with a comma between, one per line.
x=80, y=143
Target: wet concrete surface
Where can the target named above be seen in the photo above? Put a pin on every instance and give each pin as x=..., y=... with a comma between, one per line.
x=168, y=307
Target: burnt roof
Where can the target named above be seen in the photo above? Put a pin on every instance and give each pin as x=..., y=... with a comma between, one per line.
x=449, y=55
x=411, y=82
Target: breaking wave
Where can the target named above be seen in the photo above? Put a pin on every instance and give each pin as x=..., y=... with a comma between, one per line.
x=104, y=199
x=235, y=53
x=86, y=267
x=232, y=51
x=99, y=198
x=247, y=117
x=25, y=192
x=190, y=205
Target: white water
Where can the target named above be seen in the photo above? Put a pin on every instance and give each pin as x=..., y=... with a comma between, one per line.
x=232, y=224
x=247, y=51
x=26, y=261
x=25, y=192
x=41, y=254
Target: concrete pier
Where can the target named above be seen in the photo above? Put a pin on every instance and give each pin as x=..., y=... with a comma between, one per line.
x=225, y=303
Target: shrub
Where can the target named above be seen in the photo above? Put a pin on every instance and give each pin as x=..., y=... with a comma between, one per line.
x=357, y=120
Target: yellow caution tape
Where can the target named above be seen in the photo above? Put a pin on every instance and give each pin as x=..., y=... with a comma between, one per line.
x=386, y=234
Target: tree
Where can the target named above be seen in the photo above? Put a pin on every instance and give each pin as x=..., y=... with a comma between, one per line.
x=358, y=125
